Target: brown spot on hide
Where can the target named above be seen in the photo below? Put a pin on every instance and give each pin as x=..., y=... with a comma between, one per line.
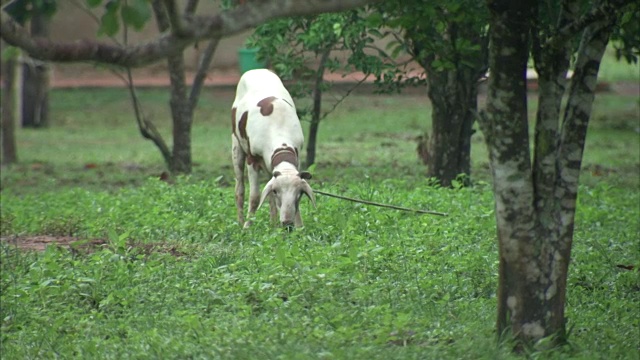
x=233, y=121
x=242, y=125
x=255, y=161
x=284, y=154
x=266, y=105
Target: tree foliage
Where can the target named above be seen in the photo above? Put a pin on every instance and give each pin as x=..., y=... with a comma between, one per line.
x=22, y=10
x=177, y=30
x=185, y=31
x=626, y=36
x=451, y=51
x=302, y=49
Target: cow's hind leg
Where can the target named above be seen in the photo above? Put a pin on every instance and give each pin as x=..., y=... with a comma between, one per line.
x=254, y=191
x=238, y=156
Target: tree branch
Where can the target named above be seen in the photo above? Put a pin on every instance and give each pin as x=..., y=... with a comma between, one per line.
x=607, y=10
x=146, y=127
x=576, y=122
x=225, y=23
x=395, y=207
x=173, y=15
x=201, y=74
x=335, y=105
x=190, y=7
x=551, y=64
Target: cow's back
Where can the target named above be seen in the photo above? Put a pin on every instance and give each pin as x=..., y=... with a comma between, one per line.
x=258, y=84
x=264, y=113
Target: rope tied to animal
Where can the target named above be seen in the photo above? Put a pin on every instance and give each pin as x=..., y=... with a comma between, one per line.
x=373, y=203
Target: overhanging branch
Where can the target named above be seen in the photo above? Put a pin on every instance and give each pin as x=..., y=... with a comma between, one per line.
x=223, y=24
x=607, y=10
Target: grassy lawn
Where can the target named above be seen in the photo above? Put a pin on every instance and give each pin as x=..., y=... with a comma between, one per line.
x=155, y=270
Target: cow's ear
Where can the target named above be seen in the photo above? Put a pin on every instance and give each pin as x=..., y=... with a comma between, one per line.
x=305, y=175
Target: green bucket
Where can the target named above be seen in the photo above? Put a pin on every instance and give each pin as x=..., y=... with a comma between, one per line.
x=248, y=58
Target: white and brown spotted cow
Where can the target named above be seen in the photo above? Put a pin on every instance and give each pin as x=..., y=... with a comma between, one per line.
x=267, y=135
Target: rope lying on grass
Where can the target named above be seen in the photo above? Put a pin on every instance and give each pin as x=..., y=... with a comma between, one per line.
x=419, y=211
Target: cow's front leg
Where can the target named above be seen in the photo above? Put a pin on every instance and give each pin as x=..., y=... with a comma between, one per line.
x=298, y=219
x=273, y=210
x=238, y=157
x=254, y=193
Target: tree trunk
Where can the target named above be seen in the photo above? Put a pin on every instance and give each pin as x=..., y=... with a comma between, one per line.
x=535, y=206
x=181, y=111
x=520, y=302
x=182, y=117
x=35, y=82
x=453, y=94
x=316, y=111
x=9, y=152
x=453, y=91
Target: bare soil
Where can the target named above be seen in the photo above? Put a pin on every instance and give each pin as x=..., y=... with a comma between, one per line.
x=76, y=244
x=84, y=76
x=40, y=242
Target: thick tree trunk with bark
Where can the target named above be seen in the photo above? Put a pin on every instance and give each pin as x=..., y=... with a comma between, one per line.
x=536, y=204
x=453, y=91
x=9, y=152
x=505, y=129
x=35, y=82
x=453, y=95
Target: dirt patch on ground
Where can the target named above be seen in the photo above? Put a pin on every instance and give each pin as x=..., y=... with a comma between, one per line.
x=40, y=243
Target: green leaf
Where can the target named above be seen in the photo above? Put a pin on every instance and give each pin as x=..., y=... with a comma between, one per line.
x=10, y=52
x=18, y=10
x=110, y=24
x=93, y=3
x=374, y=20
x=137, y=14
x=337, y=29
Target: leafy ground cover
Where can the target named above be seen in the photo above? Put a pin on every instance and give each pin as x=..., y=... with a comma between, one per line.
x=150, y=269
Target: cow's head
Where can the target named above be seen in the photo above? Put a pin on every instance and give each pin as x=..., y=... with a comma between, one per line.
x=287, y=190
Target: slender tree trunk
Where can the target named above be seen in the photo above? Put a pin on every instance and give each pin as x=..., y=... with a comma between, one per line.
x=9, y=152
x=181, y=112
x=570, y=153
x=182, y=116
x=35, y=82
x=317, y=110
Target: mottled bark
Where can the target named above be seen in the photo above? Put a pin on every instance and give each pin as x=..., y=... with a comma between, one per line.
x=570, y=152
x=192, y=29
x=506, y=132
x=535, y=206
x=551, y=64
x=9, y=150
x=35, y=81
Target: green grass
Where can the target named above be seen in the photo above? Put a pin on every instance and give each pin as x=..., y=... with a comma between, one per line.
x=174, y=277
